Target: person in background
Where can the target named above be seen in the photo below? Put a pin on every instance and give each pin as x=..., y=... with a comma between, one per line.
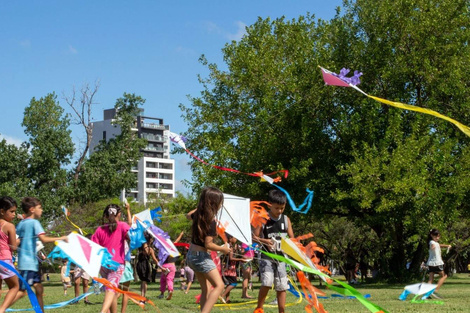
x=167, y=277
x=435, y=263
x=230, y=269
x=7, y=246
x=248, y=255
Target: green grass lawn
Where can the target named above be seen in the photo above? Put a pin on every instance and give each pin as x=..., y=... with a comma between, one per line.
x=456, y=291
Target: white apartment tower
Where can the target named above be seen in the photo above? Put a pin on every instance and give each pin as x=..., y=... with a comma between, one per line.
x=155, y=171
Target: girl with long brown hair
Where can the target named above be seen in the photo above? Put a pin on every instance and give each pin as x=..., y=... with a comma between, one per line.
x=203, y=234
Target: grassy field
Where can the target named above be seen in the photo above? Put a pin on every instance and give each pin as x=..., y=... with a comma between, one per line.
x=455, y=291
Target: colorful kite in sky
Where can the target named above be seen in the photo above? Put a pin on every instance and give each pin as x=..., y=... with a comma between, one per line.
x=303, y=208
x=341, y=80
x=181, y=140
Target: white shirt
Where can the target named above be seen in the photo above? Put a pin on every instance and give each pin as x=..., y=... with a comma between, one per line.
x=435, y=258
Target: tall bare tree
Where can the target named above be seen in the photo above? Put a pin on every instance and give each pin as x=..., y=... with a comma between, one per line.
x=82, y=109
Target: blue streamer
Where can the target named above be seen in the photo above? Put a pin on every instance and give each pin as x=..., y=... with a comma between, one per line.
x=307, y=202
x=155, y=215
x=136, y=235
x=31, y=295
x=56, y=305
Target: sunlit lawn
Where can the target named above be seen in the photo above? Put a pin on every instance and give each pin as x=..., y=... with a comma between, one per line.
x=456, y=292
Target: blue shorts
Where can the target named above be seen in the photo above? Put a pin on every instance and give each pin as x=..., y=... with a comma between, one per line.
x=200, y=261
x=31, y=277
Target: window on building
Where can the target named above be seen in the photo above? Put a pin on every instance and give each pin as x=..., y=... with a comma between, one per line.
x=104, y=135
x=151, y=175
x=151, y=185
x=165, y=166
x=151, y=164
x=166, y=176
x=166, y=186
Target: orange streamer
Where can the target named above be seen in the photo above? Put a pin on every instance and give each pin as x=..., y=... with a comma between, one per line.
x=311, y=294
x=258, y=214
x=310, y=250
x=132, y=295
x=221, y=230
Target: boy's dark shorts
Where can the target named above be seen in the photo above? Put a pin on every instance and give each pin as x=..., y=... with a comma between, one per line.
x=435, y=269
x=230, y=280
x=31, y=277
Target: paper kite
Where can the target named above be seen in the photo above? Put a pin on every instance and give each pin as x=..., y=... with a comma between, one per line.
x=421, y=289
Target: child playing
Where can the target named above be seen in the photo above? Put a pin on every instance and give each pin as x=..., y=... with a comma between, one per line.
x=64, y=276
x=273, y=271
x=28, y=231
x=230, y=270
x=435, y=263
x=248, y=255
x=167, y=277
x=112, y=236
x=79, y=276
x=182, y=279
x=7, y=245
x=188, y=275
x=143, y=266
x=204, y=232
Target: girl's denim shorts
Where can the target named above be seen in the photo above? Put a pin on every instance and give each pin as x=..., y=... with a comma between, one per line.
x=200, y=261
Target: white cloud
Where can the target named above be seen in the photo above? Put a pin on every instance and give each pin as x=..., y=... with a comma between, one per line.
x=215, y=29
x=211, y=27
x=12, y=140
x=241, y=31
x=72, y=50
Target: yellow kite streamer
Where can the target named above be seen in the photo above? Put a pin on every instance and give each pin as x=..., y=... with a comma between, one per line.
x=341, y=80
x=67, y=213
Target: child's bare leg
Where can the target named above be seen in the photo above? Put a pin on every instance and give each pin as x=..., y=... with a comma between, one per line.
x=13, y=288
x=441, y=280
x=281, y=301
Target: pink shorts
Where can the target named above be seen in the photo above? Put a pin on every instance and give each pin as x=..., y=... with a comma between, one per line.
x=112, y=276
x=6, y=273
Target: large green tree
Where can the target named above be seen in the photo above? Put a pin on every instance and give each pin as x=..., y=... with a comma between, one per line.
x=50, y=151
x=397, y=172
x=108, y=170
x=13, y=170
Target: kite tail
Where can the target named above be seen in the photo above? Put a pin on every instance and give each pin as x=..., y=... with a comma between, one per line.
x=285, y=173
x=221, y=230
x=307, y=202
x=258, y=214
x=82, y=232
x=346, y=290
x=31, y=295
x=131, y=295
x=310, y=294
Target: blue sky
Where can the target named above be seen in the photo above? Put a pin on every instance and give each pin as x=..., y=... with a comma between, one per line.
x=150, y=48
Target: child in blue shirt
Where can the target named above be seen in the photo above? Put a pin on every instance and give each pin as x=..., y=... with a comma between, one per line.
x=29, y=230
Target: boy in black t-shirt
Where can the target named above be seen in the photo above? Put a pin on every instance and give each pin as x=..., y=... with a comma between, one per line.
x=273, y=271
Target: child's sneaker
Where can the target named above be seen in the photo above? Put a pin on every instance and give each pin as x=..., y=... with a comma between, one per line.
x=259, y=310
